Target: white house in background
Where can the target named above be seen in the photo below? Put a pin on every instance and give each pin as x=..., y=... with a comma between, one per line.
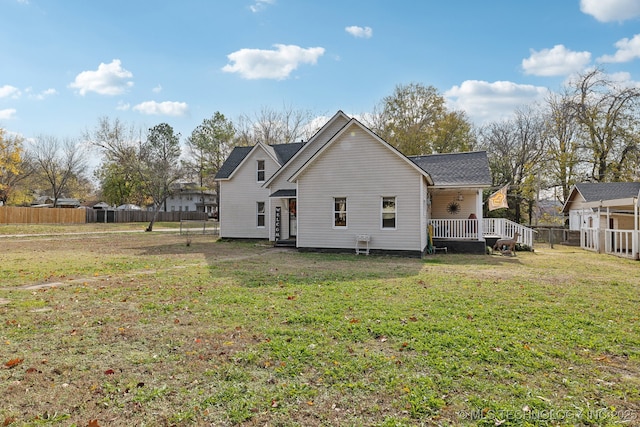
x=188, y=197
x=346, y=187
x=606, y=214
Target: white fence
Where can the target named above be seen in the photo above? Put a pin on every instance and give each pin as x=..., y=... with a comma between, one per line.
x=469, y=229
x=619, y=242
x=610, y=241
x=589, y=239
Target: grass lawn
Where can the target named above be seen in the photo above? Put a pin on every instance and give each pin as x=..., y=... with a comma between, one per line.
x=122, y=329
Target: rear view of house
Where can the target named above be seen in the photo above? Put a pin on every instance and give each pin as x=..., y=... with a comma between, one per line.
x=347, y=186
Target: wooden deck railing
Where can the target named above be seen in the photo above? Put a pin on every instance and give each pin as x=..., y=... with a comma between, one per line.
x=469, y=229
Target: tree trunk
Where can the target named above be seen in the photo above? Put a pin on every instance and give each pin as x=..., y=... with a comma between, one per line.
x=153, y=218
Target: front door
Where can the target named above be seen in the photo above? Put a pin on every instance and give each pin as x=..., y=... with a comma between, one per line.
x=293, y=223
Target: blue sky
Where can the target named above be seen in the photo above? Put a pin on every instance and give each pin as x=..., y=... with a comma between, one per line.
x=66, y=63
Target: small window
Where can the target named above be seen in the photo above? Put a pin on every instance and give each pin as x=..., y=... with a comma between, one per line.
x=260, y=170
x=340, y=212
x=260, y=215
x=388, y=212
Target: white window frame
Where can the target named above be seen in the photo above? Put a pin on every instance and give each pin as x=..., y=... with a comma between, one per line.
x=260, y=169
x=338, y=212
x=262, y=214
x=395, y=212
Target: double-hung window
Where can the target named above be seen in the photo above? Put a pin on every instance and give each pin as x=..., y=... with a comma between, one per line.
x=339, y=211
x=260, y=171
x=389, y=212
x=260, y=214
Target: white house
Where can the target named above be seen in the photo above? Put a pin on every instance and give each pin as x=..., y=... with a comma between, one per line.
x=606, y=214
x=188, y=197
x=346, y=187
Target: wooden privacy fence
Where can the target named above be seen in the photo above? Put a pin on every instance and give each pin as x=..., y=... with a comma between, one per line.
x=18, y=215
x=107, y=216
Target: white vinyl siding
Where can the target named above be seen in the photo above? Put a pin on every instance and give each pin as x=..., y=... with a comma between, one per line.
x=238, y=197
x=301, y=158
x=362, y=169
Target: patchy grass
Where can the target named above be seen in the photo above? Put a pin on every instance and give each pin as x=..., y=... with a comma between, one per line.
x=141, y=329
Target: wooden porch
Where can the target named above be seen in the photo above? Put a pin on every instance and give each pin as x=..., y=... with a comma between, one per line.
x=480, y=230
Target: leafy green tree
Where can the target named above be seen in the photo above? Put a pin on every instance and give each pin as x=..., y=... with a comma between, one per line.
x=159, y=166
x=208, y=147
x=415, y=120
x=119, y=172
x=15, y=165
x=120, y=184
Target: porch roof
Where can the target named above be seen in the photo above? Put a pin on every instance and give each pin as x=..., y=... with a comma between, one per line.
x=456, y=169
x=285, y=193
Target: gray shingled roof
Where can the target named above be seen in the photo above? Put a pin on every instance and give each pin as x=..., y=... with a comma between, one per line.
x=286, y=151
x=236, y=157
x=595, y=191
x=454, y=169
x=283, y=152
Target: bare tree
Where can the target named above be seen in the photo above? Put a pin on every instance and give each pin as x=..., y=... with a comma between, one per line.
x=271, y=126
x=516, y=148
x=565, y=155
x=58, y=163
x=607, y=111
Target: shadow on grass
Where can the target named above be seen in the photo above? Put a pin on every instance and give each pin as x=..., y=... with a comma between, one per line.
x=258, y=263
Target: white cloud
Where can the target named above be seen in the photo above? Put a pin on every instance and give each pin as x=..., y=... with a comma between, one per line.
x=360, y=32
x=166, y=108
x=108, y=79
x=484, y=101
x=8, y=91
x=42, y=95
x=260, y=5
x=123, y=106
x=628, y=50
x=7, y=114
x=611, y=10
x=157, y=89
x=557, y=61
x=271, y=64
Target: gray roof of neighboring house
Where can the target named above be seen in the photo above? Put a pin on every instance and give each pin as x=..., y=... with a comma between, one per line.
x=595, y=191
x=283, y=152
x=455, y=169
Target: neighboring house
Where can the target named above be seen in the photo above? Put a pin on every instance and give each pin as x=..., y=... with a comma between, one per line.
x=62, y=202
x=606, y=214
x=188, y=197
x=346, y=187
